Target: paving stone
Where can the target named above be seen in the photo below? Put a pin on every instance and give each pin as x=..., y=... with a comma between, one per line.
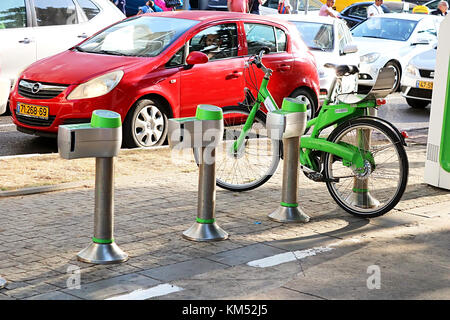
x=55, y=295
x=243, y=255
x=103, y=289
x=183, y=270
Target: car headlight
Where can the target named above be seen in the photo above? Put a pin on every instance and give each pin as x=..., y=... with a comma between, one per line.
x=96, y=87
x=370, y=57
x=411, y=69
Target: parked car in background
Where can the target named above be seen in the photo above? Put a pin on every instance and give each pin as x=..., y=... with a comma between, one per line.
x=392, y=40
x=329, y=40
x=271, y=7
x=32, y=30
x=155, y=66
x=432, y=5
x=340, y=5
x=417, y=82
x=357, y=12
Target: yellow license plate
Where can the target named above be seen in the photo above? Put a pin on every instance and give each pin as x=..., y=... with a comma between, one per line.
x=30, y=110
x=424, y=85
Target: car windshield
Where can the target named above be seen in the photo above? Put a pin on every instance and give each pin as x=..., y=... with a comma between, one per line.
x=385, y=28
x=142, y=36
x=317, y=36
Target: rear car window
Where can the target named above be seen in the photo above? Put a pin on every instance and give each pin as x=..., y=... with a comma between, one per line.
x=12, y=14
x=89, y=8
x=55, y=12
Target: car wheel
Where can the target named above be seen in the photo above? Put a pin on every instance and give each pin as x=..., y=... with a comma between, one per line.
x=306, y=97
x=416, y=103
x=145, y=125
x=397, y=75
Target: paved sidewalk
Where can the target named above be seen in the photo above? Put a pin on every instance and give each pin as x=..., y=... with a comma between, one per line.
x=331, y=257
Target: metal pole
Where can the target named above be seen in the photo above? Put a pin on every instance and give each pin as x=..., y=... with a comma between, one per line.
x=103, y=250
x=205, y=228
x=289, y=210
x=361, y=197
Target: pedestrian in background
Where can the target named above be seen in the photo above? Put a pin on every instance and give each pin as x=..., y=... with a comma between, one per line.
x=327, y=9
x=254, y=6
x=120, y=4
x=375, y=9
x=284, y=7
x=237, y=5
x=149, y=7
x=441, y=9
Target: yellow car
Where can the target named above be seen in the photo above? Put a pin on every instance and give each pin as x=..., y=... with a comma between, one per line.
x=340, y=5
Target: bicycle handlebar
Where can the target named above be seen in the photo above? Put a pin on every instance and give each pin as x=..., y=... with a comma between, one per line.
x=256, y=60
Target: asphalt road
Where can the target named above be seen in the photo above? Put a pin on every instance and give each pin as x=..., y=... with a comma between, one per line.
x=13, y=142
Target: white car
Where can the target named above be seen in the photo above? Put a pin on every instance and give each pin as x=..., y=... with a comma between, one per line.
x=392, y=40
x=32, y=30
x=417, y=81
x=271, y=7
x=330, y=41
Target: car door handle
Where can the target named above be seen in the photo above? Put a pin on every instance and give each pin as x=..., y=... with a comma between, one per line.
x=83, y=35
x=234, y=75
x=283, y=67
x=25, y=40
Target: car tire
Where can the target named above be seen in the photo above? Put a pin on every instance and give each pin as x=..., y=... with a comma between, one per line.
x=417, y=103
x=398, y=75
x=307, y=97
x=145, y=124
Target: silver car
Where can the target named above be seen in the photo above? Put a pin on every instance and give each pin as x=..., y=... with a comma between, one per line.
x=417, y=81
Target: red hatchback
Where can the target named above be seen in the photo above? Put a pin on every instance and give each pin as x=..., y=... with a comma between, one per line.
x=138, y=68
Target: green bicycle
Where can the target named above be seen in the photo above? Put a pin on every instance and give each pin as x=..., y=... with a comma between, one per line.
x=362, y=160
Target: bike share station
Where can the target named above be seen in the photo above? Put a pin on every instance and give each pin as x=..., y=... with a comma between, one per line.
x=204, y=132
x=437, y=164
x=100, y=139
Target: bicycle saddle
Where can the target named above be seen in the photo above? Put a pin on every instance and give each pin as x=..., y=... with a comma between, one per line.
x=342, y=69
x=382, y=87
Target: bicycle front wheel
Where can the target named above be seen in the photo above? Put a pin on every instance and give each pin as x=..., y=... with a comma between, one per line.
x=254, y=163
x=379, y=187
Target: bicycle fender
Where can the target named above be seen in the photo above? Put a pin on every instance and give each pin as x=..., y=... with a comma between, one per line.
x=390, y=125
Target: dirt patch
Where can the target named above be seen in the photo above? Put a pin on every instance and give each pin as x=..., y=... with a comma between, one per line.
x=51, y=169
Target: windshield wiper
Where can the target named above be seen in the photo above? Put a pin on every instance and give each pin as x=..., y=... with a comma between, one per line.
x=373, y=37
x=114, y=53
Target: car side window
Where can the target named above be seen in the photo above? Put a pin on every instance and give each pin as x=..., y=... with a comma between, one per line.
x=359, y=11
x=281, y=40
x=258, y=36
x=271, y=4
x=177, y=59
x=55, y=12
x=217, y=42
x=13, y=14
x=89, y=8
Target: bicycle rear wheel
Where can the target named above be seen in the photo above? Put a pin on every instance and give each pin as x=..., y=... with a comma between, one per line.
x=379, y=188
x=252, y=165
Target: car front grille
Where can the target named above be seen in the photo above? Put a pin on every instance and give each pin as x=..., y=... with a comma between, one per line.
x=40, y=90
x=37, y=122
x=426, y=73
x=420, y=93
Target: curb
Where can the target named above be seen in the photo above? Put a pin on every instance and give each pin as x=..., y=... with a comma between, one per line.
x=49, y=188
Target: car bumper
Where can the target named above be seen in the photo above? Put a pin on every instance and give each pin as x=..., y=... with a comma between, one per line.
x=61, y=111
x=410, y=88
x=367, y=74
x=5, y=88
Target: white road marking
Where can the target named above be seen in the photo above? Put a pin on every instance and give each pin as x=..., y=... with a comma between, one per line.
x=294, y=255
x=143, y=294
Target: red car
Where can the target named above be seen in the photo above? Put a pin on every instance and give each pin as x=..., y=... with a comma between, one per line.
x=137, y=67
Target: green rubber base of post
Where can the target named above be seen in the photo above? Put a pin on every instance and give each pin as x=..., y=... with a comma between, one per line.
x=293, y=105
x=206, y=221
x=290, y=205
x=102, y=241
x=360, y=190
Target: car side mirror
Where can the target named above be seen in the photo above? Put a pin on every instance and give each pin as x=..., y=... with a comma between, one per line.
x=196, y=57
x=350, y=48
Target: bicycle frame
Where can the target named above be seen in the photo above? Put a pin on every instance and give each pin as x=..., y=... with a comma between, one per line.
x=329, y=115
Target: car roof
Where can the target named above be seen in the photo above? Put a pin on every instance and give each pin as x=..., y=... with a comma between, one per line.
x=210, y=15
x=404, y=16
